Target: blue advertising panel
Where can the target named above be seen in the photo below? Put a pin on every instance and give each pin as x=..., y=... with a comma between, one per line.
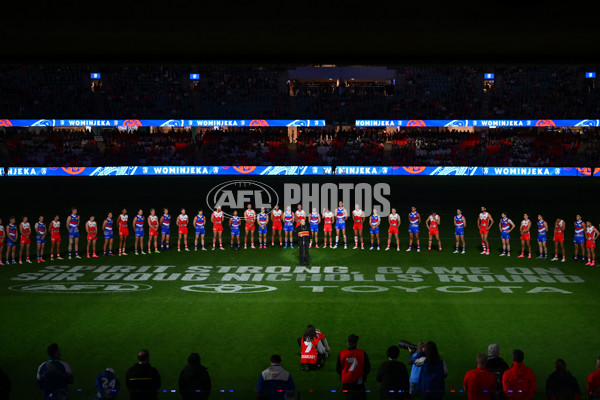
x=63, y=123
x=297, y=170
x=480, y=123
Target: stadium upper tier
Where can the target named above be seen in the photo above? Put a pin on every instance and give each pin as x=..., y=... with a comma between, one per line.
x=337, y=94
x=514, y=147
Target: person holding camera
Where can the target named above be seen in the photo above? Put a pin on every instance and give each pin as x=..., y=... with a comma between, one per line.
x=415, y=372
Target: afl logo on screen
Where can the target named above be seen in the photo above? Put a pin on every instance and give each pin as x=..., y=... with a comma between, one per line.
x=235, y=195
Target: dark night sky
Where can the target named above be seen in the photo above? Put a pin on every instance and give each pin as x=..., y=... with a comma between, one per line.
x=294, y=32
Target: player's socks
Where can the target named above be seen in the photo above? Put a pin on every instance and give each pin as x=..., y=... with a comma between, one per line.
x=69, y=254
x=464, y=249
x=167, y=246
x=316, y=245
x=508, y=254
x=379, y=247
x=88, y=255
x=162, y=245
x=409, y=248
x=429, y=248
x=388, y=247
x=398, y=248
x=362, y=244
x=456, y=249
x=337, y=239
x=418, y=248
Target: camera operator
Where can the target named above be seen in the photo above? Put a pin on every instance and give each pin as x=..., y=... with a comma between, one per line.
x=415, y=372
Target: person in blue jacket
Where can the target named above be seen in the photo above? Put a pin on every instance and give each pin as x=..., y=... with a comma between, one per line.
x=432, y=382
x=415, y=372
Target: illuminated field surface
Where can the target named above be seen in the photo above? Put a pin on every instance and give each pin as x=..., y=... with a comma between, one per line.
x=236, y=308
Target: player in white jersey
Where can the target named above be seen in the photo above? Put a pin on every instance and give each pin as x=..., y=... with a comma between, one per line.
x=340, y=224
x=328, y=227
x=358, y=216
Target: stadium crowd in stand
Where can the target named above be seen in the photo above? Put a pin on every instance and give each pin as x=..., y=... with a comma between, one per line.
x=313, y=146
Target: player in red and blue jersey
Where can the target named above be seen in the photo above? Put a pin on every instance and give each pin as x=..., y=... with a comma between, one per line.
x=579, y=238
x=315, y=219
x=234, y=224
x=73, y=226
x=25, y=231
x=40, y=230
x=358, y=217
x=374, y=222
x=340, y=224
x=165, y=230
x=485, y=222
x=12, y=235
x=182, y=224
x=217, y=218
x=542, y=236
x=122, y=222
x=288, y=227
x=525, y=229
x=199, y=223
x=433, y=224
x=92, y=236
x=591, y=234
x=506, y=226
x=276, y=215
x=460, y=223
x=394, y=224
x=153, y=223
x=107, y=228
x=414, y=219
x=263, y=220
x=2, y=236
x=138, y=228
x=559, y=238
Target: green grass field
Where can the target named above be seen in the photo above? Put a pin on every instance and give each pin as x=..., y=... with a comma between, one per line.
x=462, y=302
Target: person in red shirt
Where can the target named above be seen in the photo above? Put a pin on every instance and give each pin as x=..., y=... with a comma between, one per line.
x=519, y=381
x=593, y=382
x=479, y=383
x=353, y=366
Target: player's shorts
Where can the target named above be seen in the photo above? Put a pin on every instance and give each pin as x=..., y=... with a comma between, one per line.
x=277, y=225
x=541, y=238
x=235, y=231
x=327, y=228
x=374, y=231
x=183, y=230
x=459, y=231
x=262, y=230
x=340, y=225
x=123, y=231
x=92, y=237
x=434, y=231
x=590, y=244
x=413, y=229
x=579, y=239
x=504, y=235
x=314, y=228
x=10, y=242
x=55, y=237
x=139, y=233
x=484, y=231
x=40, y=240
x=250, y=227
x=200, y=231
x=153, y=232
x=218, y=228
x=394, y=230
x=559, y=237
x=73, y=234
x=165, y=230
x=526, y=236
x=25, y=240
x=357, y=227
x=288, y=228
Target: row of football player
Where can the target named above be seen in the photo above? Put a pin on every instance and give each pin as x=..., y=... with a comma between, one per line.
x=584, y=238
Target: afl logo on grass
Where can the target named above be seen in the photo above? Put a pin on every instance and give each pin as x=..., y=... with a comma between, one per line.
x=80, y=287
x=235, y=195
x=229, y=288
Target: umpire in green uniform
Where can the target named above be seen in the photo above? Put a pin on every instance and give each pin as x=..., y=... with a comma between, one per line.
x=303, y=232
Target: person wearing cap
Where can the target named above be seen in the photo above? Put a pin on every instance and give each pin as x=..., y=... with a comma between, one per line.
x=54, y=375
x=561, y=384
x=496, y=365
x=479, y=383
x=393, y=376
x=519, y=381
x=107, y=385
x=142, y=379
x=353, y=366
